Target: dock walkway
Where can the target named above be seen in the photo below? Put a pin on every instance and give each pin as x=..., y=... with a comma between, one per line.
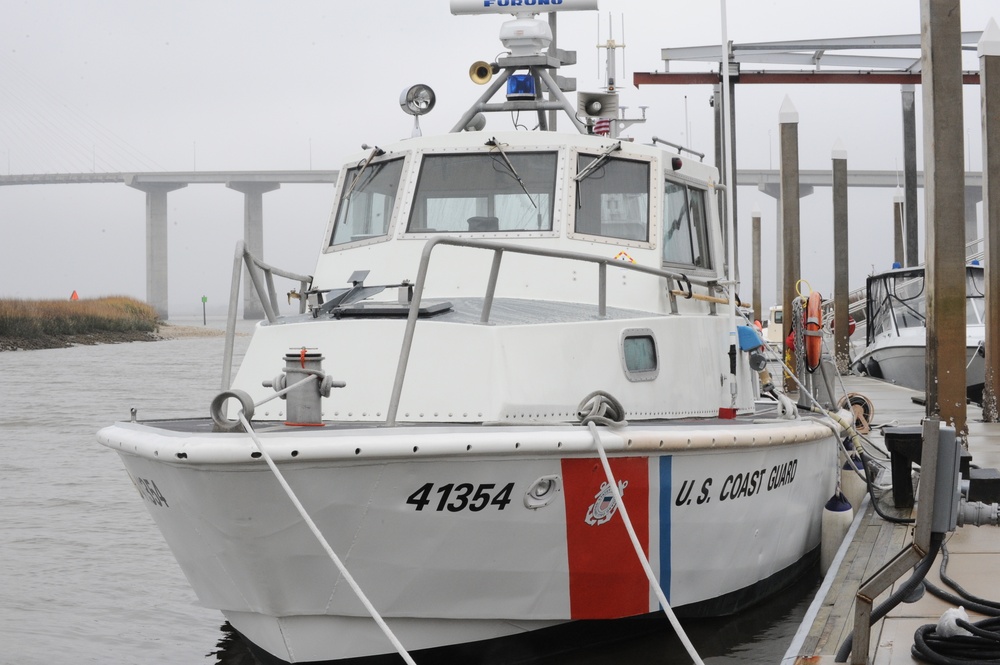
x=974, y=552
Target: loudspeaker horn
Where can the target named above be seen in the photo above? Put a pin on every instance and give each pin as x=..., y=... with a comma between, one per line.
x=597, y=104
x=481, y=72
x=477, y=123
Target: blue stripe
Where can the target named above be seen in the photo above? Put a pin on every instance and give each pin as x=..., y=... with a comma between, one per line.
x=666, y=501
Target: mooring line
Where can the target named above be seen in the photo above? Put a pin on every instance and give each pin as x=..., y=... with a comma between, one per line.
x=612, y=483
x=326, y=546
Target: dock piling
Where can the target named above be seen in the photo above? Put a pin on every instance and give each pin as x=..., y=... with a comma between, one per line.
x=944, y=196
x=989, y=69
x=841, y=288
x=788, y=119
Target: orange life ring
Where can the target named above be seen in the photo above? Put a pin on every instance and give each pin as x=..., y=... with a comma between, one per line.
x=814, y=326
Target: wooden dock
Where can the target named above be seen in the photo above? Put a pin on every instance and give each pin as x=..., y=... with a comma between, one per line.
x=974, y=552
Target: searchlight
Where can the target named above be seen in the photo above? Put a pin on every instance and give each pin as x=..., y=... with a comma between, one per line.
x=416, y=101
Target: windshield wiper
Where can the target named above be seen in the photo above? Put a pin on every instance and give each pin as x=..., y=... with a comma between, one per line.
x=493, y=144
x=376, y=152
x=598, y=161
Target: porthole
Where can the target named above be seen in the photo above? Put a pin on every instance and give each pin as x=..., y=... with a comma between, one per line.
x=639, y=354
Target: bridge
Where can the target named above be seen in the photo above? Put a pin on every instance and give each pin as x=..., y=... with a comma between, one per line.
x=769, y=182
x=252, y=184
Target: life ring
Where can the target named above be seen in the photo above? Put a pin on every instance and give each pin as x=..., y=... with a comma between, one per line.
x=814, y=327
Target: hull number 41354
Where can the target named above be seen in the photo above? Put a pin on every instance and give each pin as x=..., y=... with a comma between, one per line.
x=463, y=496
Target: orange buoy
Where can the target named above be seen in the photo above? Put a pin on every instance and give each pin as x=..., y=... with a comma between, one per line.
x=814, y=335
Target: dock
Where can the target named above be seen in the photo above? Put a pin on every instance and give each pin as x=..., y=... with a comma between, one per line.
x=974, y=552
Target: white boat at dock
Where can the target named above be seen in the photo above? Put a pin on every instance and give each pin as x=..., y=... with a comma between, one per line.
x=896, y=329
x=482, y=302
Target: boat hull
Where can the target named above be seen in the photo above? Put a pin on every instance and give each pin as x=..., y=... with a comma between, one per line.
x=452, y=542
x=530, y=641
x=904, y=363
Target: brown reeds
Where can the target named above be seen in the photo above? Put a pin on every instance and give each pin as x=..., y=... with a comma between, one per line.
x=26, y=319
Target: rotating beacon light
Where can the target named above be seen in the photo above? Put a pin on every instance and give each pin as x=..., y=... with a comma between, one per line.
x=416, y=101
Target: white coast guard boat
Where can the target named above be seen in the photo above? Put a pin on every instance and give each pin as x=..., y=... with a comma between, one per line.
x=474, y=289
x=896, y=329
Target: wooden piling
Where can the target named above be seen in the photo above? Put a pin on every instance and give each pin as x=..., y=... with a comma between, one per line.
x=788, y=119
x=910, y=173
x=989, y=85
x=944, y=202
x=755, y=296
x=841, y=288
x=898, y=229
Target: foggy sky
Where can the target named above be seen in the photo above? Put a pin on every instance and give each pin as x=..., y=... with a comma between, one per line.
x=244, y=85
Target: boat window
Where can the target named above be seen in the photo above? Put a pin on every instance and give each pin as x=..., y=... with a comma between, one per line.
x=639, y=357
x=478, y=193
x=613, y=200
x=908, y=303
x=365, y=209
x=685, y=226
x=895, y=301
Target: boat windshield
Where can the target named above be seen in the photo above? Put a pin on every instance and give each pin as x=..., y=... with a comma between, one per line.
x=366, y=206
x=685, y=230
x=897, y=301
x=479, y=193
x=613, y=199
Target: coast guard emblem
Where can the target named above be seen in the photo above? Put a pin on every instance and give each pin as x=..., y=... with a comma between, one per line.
x=605, y=505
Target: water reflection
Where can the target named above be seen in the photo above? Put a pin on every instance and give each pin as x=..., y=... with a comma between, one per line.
x=760, y=634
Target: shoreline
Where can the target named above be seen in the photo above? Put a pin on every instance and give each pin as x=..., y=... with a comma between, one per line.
x=164, y=332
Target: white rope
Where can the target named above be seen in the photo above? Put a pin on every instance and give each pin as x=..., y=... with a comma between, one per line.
x=975, y=353
x=313, y=376
x=326, y=546
x=613, y=484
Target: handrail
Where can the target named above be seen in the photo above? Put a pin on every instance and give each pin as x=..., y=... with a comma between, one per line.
x=499, y=249
x=267, y=294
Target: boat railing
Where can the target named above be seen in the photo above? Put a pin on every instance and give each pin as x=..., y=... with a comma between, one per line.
x=262, y=277
x=499, y=249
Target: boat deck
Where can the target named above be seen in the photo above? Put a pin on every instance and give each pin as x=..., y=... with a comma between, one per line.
x=974, y=552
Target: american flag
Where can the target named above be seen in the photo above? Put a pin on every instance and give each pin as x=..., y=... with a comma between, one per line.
x=603, y=126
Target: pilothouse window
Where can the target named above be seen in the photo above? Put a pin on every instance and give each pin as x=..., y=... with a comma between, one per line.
x=479, y=193
x=613, y=199
x=365, y=208
x=685, y=228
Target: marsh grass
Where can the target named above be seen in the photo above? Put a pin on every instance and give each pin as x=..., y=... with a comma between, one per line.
x=28, y=319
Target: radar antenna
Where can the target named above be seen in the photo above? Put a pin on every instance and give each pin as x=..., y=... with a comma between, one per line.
x=528, y=67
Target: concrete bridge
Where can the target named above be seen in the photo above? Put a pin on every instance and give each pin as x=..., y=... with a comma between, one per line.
x=768, y=181
x=252, y=184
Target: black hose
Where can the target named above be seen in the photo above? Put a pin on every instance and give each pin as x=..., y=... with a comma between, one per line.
x=919, y=573
x=983, y=646
x=990, y=604
x=869, y=475
x=964, y=598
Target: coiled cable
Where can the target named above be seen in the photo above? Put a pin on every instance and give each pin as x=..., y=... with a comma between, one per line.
x=982, y=646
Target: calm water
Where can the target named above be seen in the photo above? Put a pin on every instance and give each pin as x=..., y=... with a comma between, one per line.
x=85, y=576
